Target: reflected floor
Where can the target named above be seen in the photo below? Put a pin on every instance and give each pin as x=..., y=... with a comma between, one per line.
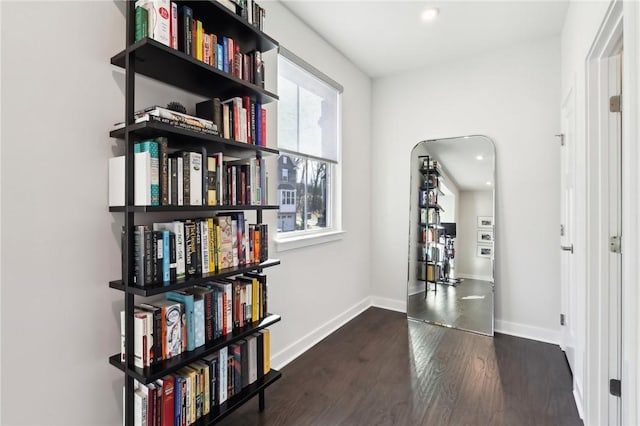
x=468, y=305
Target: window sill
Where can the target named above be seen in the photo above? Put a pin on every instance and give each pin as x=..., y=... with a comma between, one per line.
x=300, y=241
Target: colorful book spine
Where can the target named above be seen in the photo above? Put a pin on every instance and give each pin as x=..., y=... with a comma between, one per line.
x=187, y=300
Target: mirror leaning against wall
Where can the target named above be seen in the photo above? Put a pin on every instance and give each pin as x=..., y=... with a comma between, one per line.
x=452, y=233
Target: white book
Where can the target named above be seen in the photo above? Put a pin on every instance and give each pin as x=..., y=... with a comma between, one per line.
x=204, y=246
x=123, y=333
x=142, y=179
x=159, y=19
x=228, y=308
x=116, y=181
x=180, y=181
x=198, y=320
x=139, y=408
x=236, y=242
x=252, y=349
x=222, y=374
x=169, y=180
x=195, y=178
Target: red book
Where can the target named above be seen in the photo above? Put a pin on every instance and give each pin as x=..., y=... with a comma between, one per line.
x=168, y=400
x=246, y=104
x=263, y=129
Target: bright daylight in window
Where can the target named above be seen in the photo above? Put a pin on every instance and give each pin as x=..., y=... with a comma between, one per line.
x=308, y=140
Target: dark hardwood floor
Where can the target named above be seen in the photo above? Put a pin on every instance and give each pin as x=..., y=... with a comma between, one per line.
x=380, y=369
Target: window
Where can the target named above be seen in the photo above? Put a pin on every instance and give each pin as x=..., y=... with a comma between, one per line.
x=308, y=140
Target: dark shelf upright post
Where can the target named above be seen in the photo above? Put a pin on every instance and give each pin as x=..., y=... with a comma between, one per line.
x=259, y=220
x=129, y=219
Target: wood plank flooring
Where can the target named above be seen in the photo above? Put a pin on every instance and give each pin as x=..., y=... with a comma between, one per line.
x=380, y=369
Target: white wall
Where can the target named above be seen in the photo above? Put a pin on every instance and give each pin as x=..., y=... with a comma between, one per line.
x=60, y=244
x=315, y=287
x=513, y=96
x=468, y=264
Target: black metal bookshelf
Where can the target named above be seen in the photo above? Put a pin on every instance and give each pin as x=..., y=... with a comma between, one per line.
x=155, y=289
x=152, y=59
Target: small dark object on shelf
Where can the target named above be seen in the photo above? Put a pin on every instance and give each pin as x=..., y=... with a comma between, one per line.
x=177, y=107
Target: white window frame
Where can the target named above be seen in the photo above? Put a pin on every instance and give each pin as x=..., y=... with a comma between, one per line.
x=297, y=239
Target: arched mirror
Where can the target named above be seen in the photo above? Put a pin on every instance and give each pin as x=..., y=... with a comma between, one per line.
x=452, y=233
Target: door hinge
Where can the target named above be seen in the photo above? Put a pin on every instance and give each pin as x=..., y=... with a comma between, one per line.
x=562, y=321
x=615, y=245
x=615, y=103
x=561, y=136
x=615, y=387
x=562, y=230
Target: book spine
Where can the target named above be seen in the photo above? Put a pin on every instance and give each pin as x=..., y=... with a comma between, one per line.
x=198, y=248
x=180, y=249
x=212, y=250
x=185, y=30
x=180, y=180
x=195, y=178
x=190, y=248
x=204, y=246
x=173, y=265
x=212, y=195
x=149, y=255
x=163, y=144
x=174, y=181
x=166, y=261
x=157, y=256
x=174, y=25
x=152, y=148
x=186, y=176
x=263, y=127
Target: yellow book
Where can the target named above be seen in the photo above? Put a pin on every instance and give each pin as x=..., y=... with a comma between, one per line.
x=218, y=245
x=255, y=300
x=213, y=255
x=199, y=40
x=266, y=350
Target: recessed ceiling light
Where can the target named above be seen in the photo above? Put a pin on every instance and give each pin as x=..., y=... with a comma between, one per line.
x=479, y=157
x=430, y=14
x=488, y=182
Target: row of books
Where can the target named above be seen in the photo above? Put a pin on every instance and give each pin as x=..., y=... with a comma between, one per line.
x=428, y=197
x=429, y=253
x=187, y=178
x=191, y=318
x=247, y=9
x=429, y=235
x=176, y=27
x=429, y=216
x=195, y=390
x=239, y=118
x=166, y=252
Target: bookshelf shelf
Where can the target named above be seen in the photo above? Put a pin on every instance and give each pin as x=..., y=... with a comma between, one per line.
x=156, y=289
x=159, y=209
x=155, y=372
x=181, y=138
x=248, y=344
x=162, y=63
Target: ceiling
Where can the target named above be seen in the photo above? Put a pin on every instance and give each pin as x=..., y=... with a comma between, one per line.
x=468, y=161
x=387, y=37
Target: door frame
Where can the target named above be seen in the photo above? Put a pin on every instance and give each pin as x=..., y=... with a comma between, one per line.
x=619, y=15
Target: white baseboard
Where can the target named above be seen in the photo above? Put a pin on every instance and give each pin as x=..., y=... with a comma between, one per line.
x=577, y=396
x=389, y=304
x=415, y=292
x=475, y=277
x=528, y=331
x=303, y=344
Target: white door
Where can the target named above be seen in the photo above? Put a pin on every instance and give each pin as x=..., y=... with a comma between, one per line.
x=568, y=286
x=615, y=230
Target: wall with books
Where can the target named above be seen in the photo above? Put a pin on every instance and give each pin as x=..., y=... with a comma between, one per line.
x=340, y=290
x=511, y=95
x=468, y=263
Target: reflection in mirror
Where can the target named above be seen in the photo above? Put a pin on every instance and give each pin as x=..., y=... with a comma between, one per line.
x=451, y=237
